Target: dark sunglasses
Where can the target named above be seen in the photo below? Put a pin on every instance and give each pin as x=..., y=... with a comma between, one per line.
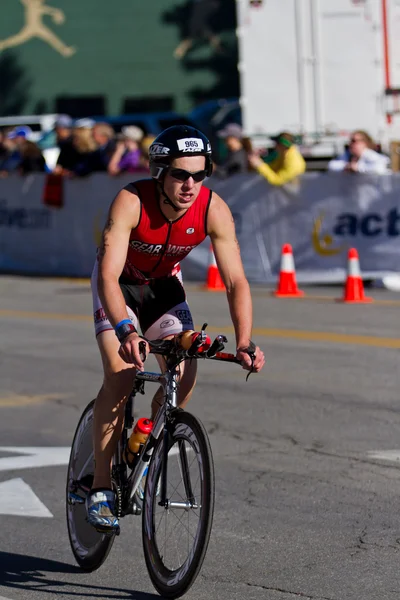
x=182, y=175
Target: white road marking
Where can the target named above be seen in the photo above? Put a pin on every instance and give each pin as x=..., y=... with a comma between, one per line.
x=390, y=455
x=17, y=498
x=33, y=457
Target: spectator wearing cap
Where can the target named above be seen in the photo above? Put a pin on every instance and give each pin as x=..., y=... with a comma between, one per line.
x=361, y=156
x=104, y=137
x=284, y=165
x=63, y=129
x=67, y=156
x=236, y=159
x=12, y=156
x=127, y=156
x=24, y=156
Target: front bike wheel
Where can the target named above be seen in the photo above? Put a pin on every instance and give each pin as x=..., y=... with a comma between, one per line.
x=175, y=537
x=90, y=548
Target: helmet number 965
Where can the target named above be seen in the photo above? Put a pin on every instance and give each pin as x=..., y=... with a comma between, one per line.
x=190, y=144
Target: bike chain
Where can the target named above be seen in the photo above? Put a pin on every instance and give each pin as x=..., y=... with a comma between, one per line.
x=119, y=501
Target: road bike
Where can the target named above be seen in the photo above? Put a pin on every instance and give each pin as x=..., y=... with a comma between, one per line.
x=178, y=503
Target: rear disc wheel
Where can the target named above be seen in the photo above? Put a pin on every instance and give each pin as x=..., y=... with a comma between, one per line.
x=90, y=548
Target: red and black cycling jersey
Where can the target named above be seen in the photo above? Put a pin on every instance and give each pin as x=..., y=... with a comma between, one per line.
x=157, y=245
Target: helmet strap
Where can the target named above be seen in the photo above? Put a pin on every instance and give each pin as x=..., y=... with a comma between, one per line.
x=166, y=199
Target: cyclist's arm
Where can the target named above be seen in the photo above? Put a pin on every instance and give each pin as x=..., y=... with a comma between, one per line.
x=122, y=217
x=221, y=229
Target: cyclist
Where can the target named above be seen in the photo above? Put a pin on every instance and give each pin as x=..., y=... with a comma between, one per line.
x=152, y=225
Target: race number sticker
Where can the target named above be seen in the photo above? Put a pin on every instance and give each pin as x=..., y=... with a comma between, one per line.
x=190, y=144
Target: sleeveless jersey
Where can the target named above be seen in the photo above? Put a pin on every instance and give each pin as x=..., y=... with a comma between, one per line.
x=157, y=245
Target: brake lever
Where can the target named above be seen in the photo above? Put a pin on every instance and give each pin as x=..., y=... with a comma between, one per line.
x=217, y=346
x=251, y=351
x=199, y=341
x=142, y=350
x=196, y=344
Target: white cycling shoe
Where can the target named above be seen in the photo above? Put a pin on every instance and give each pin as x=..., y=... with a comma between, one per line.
x=101, y=511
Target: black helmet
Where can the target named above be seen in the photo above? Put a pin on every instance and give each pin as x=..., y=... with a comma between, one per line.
x=176, y=141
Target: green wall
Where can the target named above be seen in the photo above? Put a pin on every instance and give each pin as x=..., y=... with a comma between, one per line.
x=123, y=48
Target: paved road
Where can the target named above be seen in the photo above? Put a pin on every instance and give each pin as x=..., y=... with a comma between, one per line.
x=305, y=508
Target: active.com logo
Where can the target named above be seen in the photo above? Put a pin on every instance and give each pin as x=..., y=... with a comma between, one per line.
x=346, y=227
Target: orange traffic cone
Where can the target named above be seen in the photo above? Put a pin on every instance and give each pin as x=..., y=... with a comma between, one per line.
x=287, y=285
x=214, y=281
x=354, y=288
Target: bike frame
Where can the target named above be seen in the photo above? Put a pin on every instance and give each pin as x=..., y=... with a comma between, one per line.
x=169, y=380
x=170, y=384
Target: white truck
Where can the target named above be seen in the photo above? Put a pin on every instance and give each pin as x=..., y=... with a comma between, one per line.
x=320, y=69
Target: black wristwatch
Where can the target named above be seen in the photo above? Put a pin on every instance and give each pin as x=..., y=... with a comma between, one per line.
x=124, y=330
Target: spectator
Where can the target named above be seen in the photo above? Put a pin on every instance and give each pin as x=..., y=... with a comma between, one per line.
x=32, y=160
x=127, y=156
x=67, y=156
x=103, y=135
x=361, y=156
x=236, y=160
x=23, y=156
x=283, y=165
x=83, y=146
x=11, y=157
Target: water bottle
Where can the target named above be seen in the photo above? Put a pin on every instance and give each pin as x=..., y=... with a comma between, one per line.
x=138, y=437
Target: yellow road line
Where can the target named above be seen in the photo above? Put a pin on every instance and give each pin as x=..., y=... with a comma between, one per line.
x=320, y=336
x=336, y=298
x=312, y=297
x=26, y=400
x=294, y=334
x=29, y=314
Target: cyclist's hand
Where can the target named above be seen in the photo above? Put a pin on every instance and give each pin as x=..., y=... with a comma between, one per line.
x=245, y=359
x=129, y=351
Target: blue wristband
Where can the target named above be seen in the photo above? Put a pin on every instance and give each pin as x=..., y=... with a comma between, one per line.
x=122, y=323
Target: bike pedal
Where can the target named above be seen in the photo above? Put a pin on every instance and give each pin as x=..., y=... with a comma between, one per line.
x=134, y=509
x=108, y=531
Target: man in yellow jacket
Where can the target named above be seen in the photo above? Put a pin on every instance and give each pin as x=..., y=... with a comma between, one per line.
x=285, y=163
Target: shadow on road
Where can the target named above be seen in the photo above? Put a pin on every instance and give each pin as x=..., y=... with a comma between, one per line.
x=23, y=572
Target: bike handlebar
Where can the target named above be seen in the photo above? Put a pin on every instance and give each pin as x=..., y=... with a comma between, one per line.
x=213, y=352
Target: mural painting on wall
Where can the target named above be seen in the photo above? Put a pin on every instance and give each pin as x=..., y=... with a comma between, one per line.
x=35, y=28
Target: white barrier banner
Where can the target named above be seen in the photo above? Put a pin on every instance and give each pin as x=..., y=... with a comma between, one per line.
x=322, y=218
x=38, y=239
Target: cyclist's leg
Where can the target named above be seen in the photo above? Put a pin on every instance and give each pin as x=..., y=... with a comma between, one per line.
x=117, y=385
x=174, y=318
x=109, y=406
x=108, y=417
